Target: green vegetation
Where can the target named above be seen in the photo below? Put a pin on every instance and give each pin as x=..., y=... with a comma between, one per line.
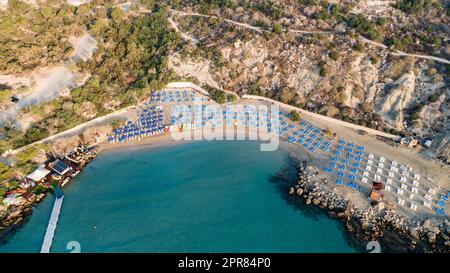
x=269, y=8
x=217, y=95
x=30, y=37
x=131, y=60
x=295, y=115
x=399, y=67
x=399, y=42
x=25, y=159
x=432, y=98
x=416, y=111
x=374, y=59
x=365, y=27
x=381, y=21
x=39, y=189
x=323, y=68
x=5, y=172
x=358, y=47
x=232, y=97
x=11, y=139
x=34, y=134
x=255, y=89
x=431, y=71
x=334, y=55
x=413, y=6
x=277, y=29
x=430, y=39
x=5, y=96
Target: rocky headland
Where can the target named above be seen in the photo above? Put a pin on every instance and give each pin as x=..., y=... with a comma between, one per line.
x=395, y=232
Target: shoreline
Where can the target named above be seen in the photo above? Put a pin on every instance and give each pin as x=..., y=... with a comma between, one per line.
x=355, y=228
x=378, y=223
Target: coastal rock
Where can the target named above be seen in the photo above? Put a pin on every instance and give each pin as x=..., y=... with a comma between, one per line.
x=291, y=190
x=316, y=201
x=381, y=221
x=431, y=237
x=299, y=191
x=431, y=225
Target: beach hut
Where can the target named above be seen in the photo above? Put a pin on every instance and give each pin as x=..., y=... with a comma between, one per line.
x=39, y=175
x=377, y=192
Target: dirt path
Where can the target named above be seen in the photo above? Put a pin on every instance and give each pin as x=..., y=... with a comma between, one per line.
x=396, y=52
x=364, y=39
x=51, y=82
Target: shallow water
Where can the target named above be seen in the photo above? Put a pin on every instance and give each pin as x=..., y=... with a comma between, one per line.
x=197, y=197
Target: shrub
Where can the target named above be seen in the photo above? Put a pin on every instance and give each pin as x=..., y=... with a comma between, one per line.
x=5, y=172
x=431, y=71
x=277, y=29
x=34, y=134
x=323, y=69
x=432, y=98
x=295, y=115
x=39, y=189
x=334, y=55
x=381, y=21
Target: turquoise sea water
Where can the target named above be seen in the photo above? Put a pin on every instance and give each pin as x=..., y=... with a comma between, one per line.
x=198, y=197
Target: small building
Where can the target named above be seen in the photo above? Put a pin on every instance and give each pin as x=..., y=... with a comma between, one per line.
x=39, y=175
x=427, y=143
x=377, y=192
x=59, y=167
x=13, y=200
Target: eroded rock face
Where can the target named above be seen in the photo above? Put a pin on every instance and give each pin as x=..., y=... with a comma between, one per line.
x=325, y=74
x=397, y=98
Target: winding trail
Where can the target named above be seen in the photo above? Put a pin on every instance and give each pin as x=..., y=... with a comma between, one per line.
x=394, y=52
x=248, y=26
x=51, y=82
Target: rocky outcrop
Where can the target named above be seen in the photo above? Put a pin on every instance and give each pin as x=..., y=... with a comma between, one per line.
x=397, y=98
x=395, y=231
